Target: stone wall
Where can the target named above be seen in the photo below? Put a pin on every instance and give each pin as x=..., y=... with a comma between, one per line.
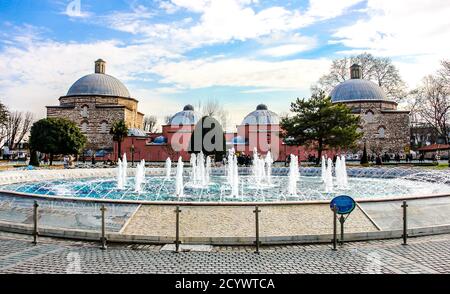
x=101, y=114
x=376, y=116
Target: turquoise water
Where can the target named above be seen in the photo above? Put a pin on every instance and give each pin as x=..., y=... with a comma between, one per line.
x=161, y=189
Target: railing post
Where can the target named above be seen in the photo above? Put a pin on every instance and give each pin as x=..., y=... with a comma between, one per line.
x=342, y=221
x=405, y=223
x=177, y=230
x=334, y=241
x=35, y=222
x=257, y=242
x=103, y=237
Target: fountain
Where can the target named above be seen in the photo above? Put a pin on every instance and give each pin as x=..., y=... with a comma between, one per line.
x=294, y=175
x=324, y=169
x=124, y=170
x=168, y=168
x=233, y=173
x=122, y=173
x=119, y=179
x=341, y=173
x=344, y=172
x=139, y=178
x=329, y=177
x=262, y=170
x=269, y=162
x=179, y=186
x=200, y=171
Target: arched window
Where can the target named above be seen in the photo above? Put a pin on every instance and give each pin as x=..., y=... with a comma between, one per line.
x=84, y=127
x=84, y=111
x=104, y=127
x=368, y=117
x=381, y=132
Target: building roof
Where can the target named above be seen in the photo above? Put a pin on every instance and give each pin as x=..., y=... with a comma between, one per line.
x=186, y=117
x=133, y=132
x=435, y=147
x=358, y=90
x=261, y=116
x=99, y=84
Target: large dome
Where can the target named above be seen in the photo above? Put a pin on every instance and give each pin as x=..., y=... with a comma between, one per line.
x=261, y=116
x=357, y=90
x=186, y=117
x=99, y=84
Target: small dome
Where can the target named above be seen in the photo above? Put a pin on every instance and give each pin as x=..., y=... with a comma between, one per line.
x=99, y=84
x=261, y=116
x=357, y=90
x=186, y=117
x=160, y=140
x=136, y=133
x=238, y=140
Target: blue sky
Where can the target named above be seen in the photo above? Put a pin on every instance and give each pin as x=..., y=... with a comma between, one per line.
x=240, y=52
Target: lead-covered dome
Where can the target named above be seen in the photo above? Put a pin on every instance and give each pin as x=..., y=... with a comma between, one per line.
x=186, y=117
x=357, y=90
x=261, y=116
x=99, y=83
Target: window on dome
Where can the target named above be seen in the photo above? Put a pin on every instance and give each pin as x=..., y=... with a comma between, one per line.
x=368, y=117
x=84, y=111
x=381, y=132
x=84, y=127
x=104, y=127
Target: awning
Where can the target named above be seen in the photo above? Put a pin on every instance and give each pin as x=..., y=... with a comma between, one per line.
x=435, y=147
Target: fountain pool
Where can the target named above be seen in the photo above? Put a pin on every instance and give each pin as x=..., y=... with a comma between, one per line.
x=362, y=184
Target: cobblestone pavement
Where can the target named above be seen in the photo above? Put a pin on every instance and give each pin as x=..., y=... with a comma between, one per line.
x=422, y=255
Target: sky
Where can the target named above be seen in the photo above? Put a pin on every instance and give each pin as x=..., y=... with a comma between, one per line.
x=240, y=52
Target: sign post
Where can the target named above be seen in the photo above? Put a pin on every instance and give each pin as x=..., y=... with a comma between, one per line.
x=342, y=205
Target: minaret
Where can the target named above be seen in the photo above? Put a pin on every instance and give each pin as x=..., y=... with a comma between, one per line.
x=355, y=71
x=100, y=66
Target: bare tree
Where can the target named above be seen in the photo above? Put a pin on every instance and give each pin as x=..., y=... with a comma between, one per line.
x=3, y=122
x=18, y=125
x=433, y=104
x=151, y=124
x=380, y=70
x=215, y=109
x=167, y=119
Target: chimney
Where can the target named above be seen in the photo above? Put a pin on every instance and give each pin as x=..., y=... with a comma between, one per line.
x=355, y=71
x=100, y=66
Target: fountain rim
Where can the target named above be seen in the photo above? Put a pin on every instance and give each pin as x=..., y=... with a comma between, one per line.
x=6, y=193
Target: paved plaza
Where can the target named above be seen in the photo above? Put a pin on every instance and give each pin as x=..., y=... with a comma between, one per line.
x=422, y=255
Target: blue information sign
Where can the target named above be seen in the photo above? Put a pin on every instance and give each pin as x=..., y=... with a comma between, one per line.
x=344, y=204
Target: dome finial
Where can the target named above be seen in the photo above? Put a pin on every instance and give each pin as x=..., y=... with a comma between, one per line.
x=100, y=66
x=355, y=71
x=261, y=107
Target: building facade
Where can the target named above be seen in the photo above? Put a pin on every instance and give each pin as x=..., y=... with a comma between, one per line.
x=95, y=102
x=385, y=128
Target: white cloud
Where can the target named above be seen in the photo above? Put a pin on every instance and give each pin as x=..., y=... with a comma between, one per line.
x=414, y=31
x=290, y=49
x=242, y=72
x=326, y=9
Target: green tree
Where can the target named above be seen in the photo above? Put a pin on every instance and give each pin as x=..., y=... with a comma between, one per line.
x=119, y=131
x=322, y=123
x=56, y=136
x=364, y=158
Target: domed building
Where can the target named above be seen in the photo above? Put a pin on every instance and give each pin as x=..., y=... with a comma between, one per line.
x=94, y=103
x=188, y=116
x=385, y=128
